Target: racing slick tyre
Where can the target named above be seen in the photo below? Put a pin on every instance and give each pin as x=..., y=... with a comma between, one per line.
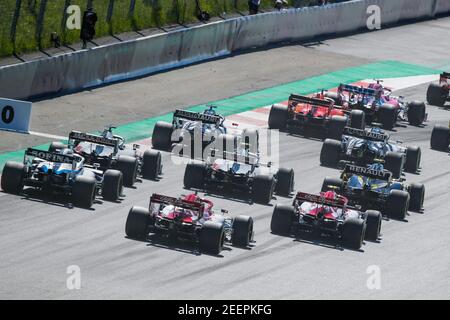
x=137, y=223
x=278, y=117
x=285, y=182
x=436, y=95
x=12, y=177
x=251, y=139
x=83, y=191
x=336, y=127
x=330, y=153
x=373, y=222
x=262, y=189
x=397, y=204
x=416, y=196
x=194, y=175
x=358, y=119
x=393, y=161
x=211, y=238
x=387, y=116
x=112, y=185
x=413, y=156
x=334, y=184
x=151, y=164
x=335, y=96
x=440, y=138
x=353, y=233
x=129, y=168
x=242, y=231
x=416, y=113
x=162, y=135
x=56, y=145
x=282, y=218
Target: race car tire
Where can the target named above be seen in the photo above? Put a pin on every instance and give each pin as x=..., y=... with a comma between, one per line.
x=285, y=182
x=393, y=161
x=162, y=136
x=83, y=191
x=251, y=139
x=330, y=153
x=242, y=231
x=387, y=116
x=334, y=184
x=336, y=127
x=397, y=204
x=151, y=164
x=353, y=233
x=137, y=223
x=211, y=238
x=194, y=175
x=416, y=113
x=358, y=119
x=373, y=227
x=436, y=95
x=413, y=157
x=12, y=177
x=112, y=185
x=262, y=188
x=440, y=138
x=278, y=117
x=335, y=96
x=282, y=218
x=129, y=168
x=56, y=145
x=417, y=196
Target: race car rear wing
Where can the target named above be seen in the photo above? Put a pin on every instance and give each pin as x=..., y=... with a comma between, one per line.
x=358, y=90
x=177, y=202
x=308, y=197
x=364, y=134
x=309, y=100
x=93, y=138
x=50, y=156
x=367, y=172
x=197, y=116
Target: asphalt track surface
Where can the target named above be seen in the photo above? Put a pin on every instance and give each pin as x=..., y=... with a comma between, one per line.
x=41, y=237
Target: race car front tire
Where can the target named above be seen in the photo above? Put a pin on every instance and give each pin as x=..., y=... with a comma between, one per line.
x=436, y=95
x=387, y=116
x=416, y=113
x=397, y=204
x=285, y=182
x=393, y=161
x=330, y=153
x=242, y=231
x=282, y=218
x=211, y=238
x=417, y=196
x=56, y=145
x=373, y=228
x=413, y=157
x=151, y=164
x=334, y=184
x=83, y=191
x=358, y=119
x=162, y=136
x=112, y=185
x=262, y=188
x=194, y=175
x=440, y=138
x=137, y=223
x=278, y=117
x=129, y=167
x=353, y=233
x=336, y=127
x=12, y=177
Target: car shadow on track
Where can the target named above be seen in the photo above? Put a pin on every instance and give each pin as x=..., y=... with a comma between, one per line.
x=232, y=197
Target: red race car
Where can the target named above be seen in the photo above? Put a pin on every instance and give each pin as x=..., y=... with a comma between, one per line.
x=439, y=93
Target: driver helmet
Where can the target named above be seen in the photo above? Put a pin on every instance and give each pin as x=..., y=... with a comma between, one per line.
x=210, y=110
x=330, y=195
x=191, y=198
x=377, y=166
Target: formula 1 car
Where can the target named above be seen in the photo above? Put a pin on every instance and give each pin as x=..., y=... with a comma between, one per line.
x=190, y=218
x=440, y=138
x=318, y=112
x=326, y=214
x=62, y=172
x=439, y=93
x=109, y=151
x=372, y=187
x=368, y=146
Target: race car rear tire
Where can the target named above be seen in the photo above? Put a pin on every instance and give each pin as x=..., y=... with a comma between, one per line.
x=417, y=196
x=112, y=185
x=137, y=223
x=194, y=175
x=282, y=218
x=211, y=238
x=83, y=191
x=278, y=117
x=285, y=182
x=413, y=157
x=262, y=188
x=335, y=96
x=387, y=116
x=151, y=164
x=330, y=153
x=12, y=177
x=397, y=204
x=129, y=167
x=416, y=113
x=393, y=161
x=373, y=227
x=440, y=138
x=336, y=127
x=436, y=95
x=56, y=145
x=358, y=119
x=162, y=136
x=353, y=233
x=242, y=231
x=334, y=184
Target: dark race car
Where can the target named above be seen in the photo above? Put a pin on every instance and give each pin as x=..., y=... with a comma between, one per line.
x=326, y=214
x=372, y=187
x=62, y=172
x=189, y=218
x=364, y=147
x=440, y=138
x=439, y=93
